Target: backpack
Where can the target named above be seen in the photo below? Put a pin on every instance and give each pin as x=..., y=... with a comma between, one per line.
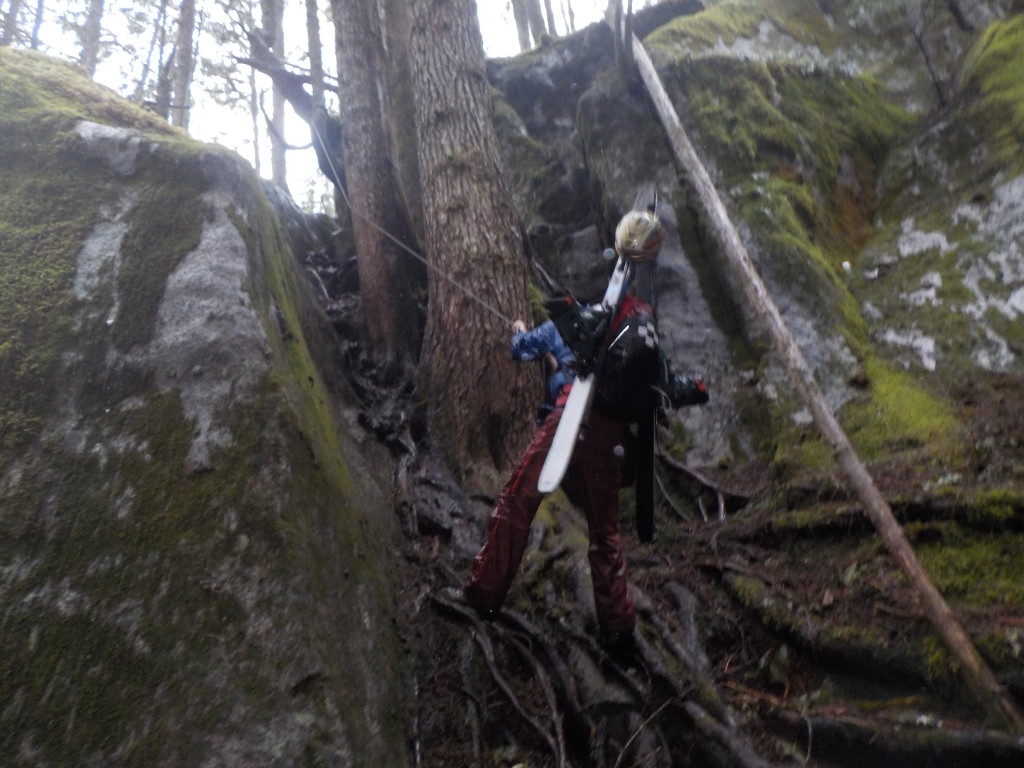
x=630, y=364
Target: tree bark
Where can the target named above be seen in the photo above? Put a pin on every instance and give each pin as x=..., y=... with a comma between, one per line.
x=479, y=403
x=977, y=674
x=372, y=194
x=400, y=112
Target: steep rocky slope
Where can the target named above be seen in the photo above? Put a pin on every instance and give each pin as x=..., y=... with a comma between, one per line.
x=199, y=553
x=869, y=153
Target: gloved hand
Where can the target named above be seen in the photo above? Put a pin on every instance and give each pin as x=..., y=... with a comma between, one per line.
x=684, y=390
x=582, y=329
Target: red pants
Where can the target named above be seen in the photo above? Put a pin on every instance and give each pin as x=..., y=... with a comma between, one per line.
x=591, y=483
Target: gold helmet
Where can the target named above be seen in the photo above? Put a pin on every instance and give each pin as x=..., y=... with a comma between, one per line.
x=639, y=235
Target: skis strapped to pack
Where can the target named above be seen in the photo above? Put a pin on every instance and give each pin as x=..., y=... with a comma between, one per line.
x=631, y=363
x=577, y=405
x=646, y=426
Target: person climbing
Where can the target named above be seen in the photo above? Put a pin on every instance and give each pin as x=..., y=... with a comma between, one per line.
x=593, y=477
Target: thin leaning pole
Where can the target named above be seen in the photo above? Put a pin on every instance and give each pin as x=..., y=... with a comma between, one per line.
x=977, y=674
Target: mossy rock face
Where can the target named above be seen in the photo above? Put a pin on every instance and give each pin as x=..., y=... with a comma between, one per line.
x=192, y=553
x=942, y=280
x=795, y=140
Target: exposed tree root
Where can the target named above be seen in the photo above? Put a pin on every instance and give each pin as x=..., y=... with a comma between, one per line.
x=635, y=700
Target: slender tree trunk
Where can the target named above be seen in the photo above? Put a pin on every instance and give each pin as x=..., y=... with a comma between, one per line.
x=183, y=65
x=164, y=85
x=316, y=58
x=479, y=403
x=273, y=29
x=91, y=36
x=254, y=118
x=400, y=115
x=550, y=13
x=388, y=305
x=536, y=17
x=522, y=19
x=11, y=23
x=976, y=673
x=37, y=24
x=318, y=115
x=158, y=37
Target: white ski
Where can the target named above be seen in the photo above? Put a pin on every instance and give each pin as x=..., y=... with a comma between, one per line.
x=577, y=404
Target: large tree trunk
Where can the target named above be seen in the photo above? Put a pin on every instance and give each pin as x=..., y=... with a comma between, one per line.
x=183, y=64
x=479, y=403
x=388, y=306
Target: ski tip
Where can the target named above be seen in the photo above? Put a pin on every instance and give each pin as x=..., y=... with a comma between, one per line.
x=547, y=485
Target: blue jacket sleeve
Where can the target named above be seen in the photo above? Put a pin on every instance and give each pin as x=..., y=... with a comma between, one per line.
x=534, y=344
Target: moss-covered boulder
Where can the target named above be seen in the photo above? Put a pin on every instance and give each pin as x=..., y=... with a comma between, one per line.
x=194, y=559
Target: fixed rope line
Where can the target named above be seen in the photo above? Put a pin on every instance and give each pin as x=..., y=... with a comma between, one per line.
x=412, y=252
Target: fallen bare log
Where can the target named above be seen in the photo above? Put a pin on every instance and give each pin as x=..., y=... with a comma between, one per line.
x=921, y=739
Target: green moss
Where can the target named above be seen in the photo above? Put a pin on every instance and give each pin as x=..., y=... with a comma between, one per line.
x=301, y=374
x=808, y=520
x=50, y=200
x=51, y=195
x=976, y=569
x=727, y=21
x=798, y=132
x=996, y=508
x=52, y=93
x=156, y=600
x=121, y=556
x=898, y=413
x=1002, y=648
x=167, y=223
x=993, y=70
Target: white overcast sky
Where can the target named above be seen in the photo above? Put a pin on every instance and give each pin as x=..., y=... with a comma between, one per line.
x=499, y=30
